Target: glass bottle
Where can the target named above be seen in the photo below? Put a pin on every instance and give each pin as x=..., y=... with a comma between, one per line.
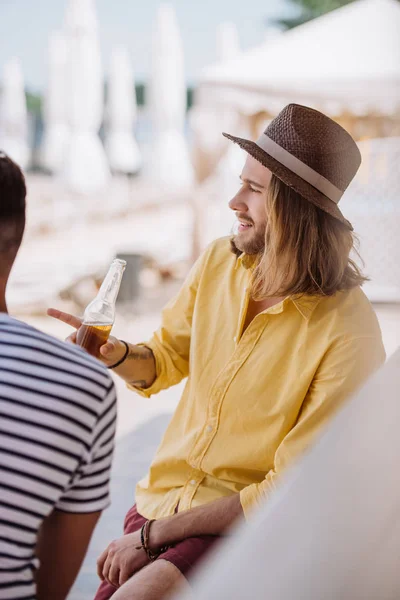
x=99, y=315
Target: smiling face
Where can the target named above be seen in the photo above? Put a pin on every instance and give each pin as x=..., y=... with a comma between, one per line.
x=249, y=205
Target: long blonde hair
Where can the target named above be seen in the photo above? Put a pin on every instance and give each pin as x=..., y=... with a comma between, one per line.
x=307, y=251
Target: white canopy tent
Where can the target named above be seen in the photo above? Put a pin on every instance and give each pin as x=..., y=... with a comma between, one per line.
x=227, y=41
x=347, y=61
x=371, y=204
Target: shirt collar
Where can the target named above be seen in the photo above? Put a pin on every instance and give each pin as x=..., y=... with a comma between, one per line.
x=245, y=260
x=304, y=304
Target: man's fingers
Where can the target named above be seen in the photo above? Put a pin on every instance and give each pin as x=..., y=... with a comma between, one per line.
x=107, y=349
x=106, y=567
x=113, y=574
x=100, y=563
x=113, y=350
x=65, y=317
x=71, y=339
x=124, y=574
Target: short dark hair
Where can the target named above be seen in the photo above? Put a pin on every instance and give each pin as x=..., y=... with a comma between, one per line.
x=12, y=206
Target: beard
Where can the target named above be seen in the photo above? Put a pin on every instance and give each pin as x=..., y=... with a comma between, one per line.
x=251, y=241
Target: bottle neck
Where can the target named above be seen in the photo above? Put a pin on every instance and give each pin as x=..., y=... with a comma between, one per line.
x=109, y=289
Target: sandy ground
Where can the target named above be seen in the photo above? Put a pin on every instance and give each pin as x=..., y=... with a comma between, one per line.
x=141, y=423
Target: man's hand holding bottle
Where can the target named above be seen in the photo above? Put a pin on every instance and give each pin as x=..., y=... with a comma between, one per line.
x=135, y=364
x=109, y=353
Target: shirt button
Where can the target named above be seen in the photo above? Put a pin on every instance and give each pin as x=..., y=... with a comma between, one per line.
x=193, y=482
x=209, y=428
x=234, y=339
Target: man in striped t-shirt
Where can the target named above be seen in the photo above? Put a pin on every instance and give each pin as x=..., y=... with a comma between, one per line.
x=57, y=427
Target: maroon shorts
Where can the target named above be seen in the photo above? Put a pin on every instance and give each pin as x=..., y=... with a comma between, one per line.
x=184, y=555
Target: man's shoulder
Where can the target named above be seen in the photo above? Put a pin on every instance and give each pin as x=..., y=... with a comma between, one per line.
x=49, y=350
x=219, y=251
x=351, y=314
x=221, y=245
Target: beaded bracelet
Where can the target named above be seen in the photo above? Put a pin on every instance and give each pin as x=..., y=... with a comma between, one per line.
x=144, y=539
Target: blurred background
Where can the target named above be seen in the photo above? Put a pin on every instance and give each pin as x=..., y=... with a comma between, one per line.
x=115, y=111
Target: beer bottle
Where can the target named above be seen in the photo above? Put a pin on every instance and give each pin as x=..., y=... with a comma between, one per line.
x=99, y=315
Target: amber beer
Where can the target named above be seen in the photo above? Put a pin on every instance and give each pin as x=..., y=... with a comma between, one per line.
x=92, y=337
x=100, y=313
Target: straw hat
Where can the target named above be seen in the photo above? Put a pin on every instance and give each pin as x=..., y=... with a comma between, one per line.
x=310, y=153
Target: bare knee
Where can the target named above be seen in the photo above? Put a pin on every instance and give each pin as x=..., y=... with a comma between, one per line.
x=155, y=582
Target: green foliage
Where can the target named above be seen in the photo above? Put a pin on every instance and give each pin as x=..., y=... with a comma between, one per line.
x=309, y=9
x=320, y=7
x=291, y=22
x=34, y=103
x=190, y=97
x=140, y=94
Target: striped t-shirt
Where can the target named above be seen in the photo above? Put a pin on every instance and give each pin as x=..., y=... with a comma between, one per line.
x=57, y=427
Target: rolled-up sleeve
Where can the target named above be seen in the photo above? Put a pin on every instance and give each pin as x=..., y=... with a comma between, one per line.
x=170, y=344
x=344, y=369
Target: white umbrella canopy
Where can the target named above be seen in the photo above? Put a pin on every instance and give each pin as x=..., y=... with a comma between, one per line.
x=121, y=147
x=56, y=132
x=13, y=114
x=86, y=168
x=347, y=60
x=170, y=160
x=332, y=529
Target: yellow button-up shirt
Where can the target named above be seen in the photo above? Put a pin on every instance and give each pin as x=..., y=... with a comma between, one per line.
x=253, y=400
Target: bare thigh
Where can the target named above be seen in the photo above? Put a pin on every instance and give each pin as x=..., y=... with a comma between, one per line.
x=154, y=582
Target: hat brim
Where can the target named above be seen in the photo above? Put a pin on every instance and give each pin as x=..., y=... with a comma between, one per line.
x=305, y=189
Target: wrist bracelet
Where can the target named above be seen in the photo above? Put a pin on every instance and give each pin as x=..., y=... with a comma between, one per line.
x=144, y=538
x=142, y=545
x=123, y=358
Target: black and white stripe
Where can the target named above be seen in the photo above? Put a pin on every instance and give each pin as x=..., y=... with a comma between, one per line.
x=57, y=427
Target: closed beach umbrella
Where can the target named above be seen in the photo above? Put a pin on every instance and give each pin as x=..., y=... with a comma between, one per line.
x=13, y=114
x=170, y=160
x=121, y=147
x=56, y=131
x=86, y=168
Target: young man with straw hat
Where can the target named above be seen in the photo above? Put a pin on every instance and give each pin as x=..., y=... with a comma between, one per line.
x=274, y=334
